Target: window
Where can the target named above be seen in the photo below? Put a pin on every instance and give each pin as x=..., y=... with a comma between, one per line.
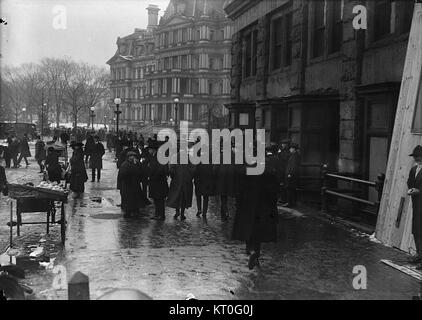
x=254, y=53
x=319, y=28
x=197, y=34
x=175, y=62
x=166, y=39
x=212, y=35
x=184, y=62
x=382, y=18
x=248, y=56
x=169, y=85
x=184, y=35
x=221, y=34
x=243, y=119
x=195, y=86
x=417, y=121
x=277, y=43
x=336, y=27
x=175, y=36
x=167, y=63
x=183, y=85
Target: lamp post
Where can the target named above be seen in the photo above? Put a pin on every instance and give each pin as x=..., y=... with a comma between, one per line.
x=176, y=109
x=42, y=117
x=92, y=117
x=117, y=102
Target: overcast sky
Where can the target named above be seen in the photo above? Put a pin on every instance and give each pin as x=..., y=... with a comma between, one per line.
x=92, y=28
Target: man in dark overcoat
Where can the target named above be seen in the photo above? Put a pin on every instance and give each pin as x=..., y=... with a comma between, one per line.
x=129, y=183
x=225, y=184
x=292, y=176
x=283, y=158
x=96, y=159
x=414, y=184
x=181, y=188
x=158, y=185
x=256, y=209
x=204, y=179
x=24, y=150
x=40, y=153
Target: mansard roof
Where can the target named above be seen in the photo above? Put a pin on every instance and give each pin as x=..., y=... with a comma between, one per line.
x=194, y=8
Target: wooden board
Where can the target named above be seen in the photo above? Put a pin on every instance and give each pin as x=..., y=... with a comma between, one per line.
x=395, y=214
x=408, y=269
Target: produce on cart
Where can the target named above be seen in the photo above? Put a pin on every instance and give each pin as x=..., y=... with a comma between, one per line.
x=46, y=198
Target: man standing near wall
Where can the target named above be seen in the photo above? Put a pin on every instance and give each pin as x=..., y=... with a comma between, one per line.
x=414, y=184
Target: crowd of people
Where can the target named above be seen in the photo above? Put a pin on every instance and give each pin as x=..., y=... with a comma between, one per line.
x=143, y=181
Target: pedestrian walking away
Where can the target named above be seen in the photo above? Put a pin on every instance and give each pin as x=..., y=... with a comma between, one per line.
x=77, y=169
x=129, y=183
x=25, y=153
x=181, y=188
x=256, y=210
x=96, y=158
x=158, y=185
x=40, y=154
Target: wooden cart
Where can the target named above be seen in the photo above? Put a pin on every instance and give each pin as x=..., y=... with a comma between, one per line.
x=35, y=199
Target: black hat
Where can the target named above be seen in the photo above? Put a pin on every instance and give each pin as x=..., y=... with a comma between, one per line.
x=417, y=152
x=273, y=149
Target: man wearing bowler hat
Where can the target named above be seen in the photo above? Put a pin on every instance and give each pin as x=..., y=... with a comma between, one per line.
x=414, y=184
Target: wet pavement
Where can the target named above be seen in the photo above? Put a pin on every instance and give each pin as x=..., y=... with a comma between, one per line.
x=313, y=258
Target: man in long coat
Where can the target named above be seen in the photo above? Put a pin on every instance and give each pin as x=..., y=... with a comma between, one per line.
x=256, y=209
x=96, y=159
x=414, y=184
x=283, y=158
x=292, y=176
x=40, y=154
x=129, y=183
x=204, y=178
x=181, y=188
x=158, y=186
x=225, y=184
x=24, y=150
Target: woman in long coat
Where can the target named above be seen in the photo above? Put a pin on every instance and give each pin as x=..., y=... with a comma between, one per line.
x=52, y=164
x=181, y=188
x=256, y=210
x=129, y=183
x=78, y=175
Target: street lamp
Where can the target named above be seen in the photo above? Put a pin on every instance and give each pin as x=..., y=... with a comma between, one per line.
x=92, y=117
x=42, y=117
x=176, y=107
x=117, y=102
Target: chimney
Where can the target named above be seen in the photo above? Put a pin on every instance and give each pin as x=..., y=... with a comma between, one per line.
x=152, y=16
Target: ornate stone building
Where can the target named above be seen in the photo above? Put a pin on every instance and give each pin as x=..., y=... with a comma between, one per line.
x=185, y=56
x=133, y=60
x=300, y=70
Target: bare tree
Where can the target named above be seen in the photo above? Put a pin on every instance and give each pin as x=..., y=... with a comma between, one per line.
x=56, y=71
